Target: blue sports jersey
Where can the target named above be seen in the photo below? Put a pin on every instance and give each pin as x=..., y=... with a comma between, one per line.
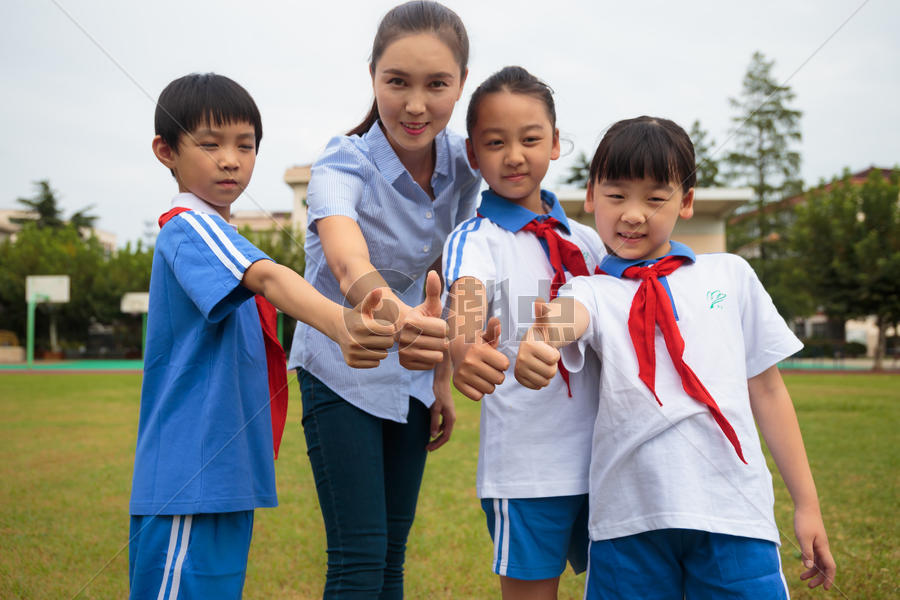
x=205, y=436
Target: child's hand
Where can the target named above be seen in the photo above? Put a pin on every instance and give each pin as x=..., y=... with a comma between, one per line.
x=443, y=415
x=483, y=367
x=423, y=335
x=536, y=363
x=365, y=340
x=820, y=565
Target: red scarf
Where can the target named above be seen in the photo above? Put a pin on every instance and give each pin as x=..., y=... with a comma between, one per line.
x=651, y=307
x=564, y=255
x=275, y=360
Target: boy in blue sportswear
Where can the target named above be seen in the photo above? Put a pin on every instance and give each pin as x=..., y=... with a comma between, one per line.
x=214, y=401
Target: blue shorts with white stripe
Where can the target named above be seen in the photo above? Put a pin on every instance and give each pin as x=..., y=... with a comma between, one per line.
x=534, y=537
x=189, y=556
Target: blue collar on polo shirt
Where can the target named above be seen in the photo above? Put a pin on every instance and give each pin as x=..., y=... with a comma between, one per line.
x=513, y=217
x=615, y=266
x=387, y=161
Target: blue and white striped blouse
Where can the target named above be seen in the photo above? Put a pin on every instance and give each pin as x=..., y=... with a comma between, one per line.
x=362, y=178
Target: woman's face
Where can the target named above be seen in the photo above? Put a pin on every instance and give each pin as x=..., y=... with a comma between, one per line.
x=417, y=82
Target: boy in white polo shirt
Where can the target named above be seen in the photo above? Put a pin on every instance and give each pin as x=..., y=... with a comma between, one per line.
x=214, y=395
x=681, y=499
x=534, y=448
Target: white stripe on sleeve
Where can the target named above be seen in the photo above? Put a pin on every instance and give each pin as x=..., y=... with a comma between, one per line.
x=454, y=248
x=212, y=245
x=226, y=241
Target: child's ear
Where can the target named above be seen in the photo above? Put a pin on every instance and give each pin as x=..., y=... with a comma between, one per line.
x=164, y=152
x=589, y=198
x=473, y=162
x=554, y=153
x=687, y=205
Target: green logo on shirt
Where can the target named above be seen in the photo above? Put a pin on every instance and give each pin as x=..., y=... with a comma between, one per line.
x=715, y=297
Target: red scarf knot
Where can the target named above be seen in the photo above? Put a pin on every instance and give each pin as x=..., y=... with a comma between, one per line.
x=651, y=307
x=564, y=256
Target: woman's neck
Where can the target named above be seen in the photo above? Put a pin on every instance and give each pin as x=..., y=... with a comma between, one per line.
x=420, y=165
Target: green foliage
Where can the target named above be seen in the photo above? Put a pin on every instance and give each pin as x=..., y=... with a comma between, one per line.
x=707, y=163
x=49, y=215
x=98, y=280
x=829, y=348
x=44, y=203
x=763, y=159
x=284, y=246
x=579, y=171
x=847, y=241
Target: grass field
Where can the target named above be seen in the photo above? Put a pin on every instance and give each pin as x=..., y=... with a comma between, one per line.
x=66, y=457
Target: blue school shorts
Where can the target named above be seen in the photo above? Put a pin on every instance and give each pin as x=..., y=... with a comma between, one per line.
x=189, y=556
x=677, y=564
x=534, y=537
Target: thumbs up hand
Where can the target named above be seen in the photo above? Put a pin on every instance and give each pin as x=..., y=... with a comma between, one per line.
x=423, y=334
x=483, y=367
x=365, y=340
x=536, y=362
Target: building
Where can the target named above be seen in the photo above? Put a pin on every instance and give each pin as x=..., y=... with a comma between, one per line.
x=297, y=179
x=9, y=229
x=704, y=232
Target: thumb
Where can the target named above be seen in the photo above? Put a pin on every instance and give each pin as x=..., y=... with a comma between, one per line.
x=370, y=303
x=806, y=551
x=492, y=335
x=541, y=325
x=432, y=303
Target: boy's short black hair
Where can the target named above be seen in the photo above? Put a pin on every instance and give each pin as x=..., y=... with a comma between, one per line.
x=200, y=98
x=646, y=147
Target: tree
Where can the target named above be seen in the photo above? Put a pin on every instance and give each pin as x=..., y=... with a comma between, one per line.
x=847, y=243
x=878, y=254
x=45, y=205
x=48, y=245
x=48, y=214
x=579, y=171
x=707, y=163
x=763, y=159
x=82, y=220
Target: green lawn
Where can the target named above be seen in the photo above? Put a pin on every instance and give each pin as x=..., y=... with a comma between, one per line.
x=68, y=442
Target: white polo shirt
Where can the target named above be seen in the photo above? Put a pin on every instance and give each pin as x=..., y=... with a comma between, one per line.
x=532, y=443
x=670, y=466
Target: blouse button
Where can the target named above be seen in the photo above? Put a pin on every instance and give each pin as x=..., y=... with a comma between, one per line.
x=426, y=248
x=428, y=215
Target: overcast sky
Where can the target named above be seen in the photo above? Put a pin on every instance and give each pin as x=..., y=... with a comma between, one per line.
x=80, y=79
